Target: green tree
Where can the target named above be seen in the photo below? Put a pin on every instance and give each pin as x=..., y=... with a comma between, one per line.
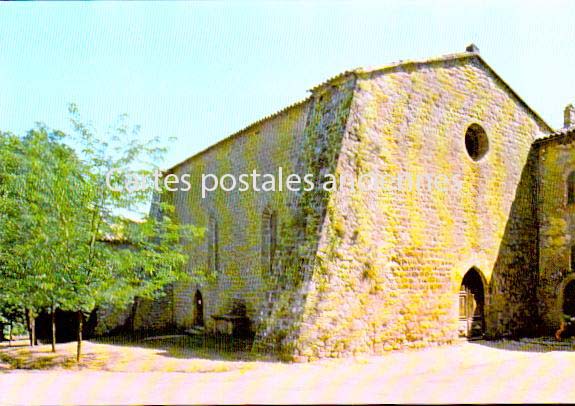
x=66, y=238
x=37, y=173
x=113, y=258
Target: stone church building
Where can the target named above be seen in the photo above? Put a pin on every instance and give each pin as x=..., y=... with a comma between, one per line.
x=329, y=273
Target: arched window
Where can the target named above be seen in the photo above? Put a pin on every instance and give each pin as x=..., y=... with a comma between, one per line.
x=213, y=257
x=269, y=238
x=571, y=188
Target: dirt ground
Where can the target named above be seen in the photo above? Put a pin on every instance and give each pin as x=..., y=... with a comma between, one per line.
x=530, y=370
x=169, y=353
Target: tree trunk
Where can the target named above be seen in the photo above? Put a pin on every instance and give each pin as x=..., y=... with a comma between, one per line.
x=28, y=327
x=10, y=334
x=32, y=327
x=53, y=328
x=34, y=339
x=80, y=326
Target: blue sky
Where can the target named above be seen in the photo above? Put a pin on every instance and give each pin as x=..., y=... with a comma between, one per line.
x=198, y=71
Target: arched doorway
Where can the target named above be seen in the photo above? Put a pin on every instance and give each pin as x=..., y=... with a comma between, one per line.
x=471, y=305
x=569, y=298
x=198, y=309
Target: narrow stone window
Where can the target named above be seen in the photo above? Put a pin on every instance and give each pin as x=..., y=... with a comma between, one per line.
x=571, y=188
x=572, y=258
x=476, y=142
x=569, y=299
x=213, y=256
x=269, y=238
x=198, y=309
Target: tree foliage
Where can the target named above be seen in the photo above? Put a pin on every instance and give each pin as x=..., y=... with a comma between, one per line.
x=68, y=240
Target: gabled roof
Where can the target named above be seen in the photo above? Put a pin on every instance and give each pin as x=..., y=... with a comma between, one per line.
x=361, y=72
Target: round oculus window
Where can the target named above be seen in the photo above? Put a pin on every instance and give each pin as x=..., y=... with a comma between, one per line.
x=476, y=142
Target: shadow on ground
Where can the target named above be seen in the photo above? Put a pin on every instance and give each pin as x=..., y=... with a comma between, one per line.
x=181, y=346
x=168, y=353
x=538, y=344
x=19, y=355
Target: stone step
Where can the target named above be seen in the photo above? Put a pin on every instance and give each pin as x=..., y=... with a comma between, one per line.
x=196, y=330
x=165, y=337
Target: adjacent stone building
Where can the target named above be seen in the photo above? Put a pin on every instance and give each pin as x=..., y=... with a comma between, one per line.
x=329, y=273
x=556, y=221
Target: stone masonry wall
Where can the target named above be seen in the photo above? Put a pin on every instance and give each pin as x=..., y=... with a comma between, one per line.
x=370, y=271
x=234, y=219
x=556, y=225
x=390, y=264
x=303, y=139
x=318, y=155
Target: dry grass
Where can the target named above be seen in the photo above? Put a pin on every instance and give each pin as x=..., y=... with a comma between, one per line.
x=165, y=354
